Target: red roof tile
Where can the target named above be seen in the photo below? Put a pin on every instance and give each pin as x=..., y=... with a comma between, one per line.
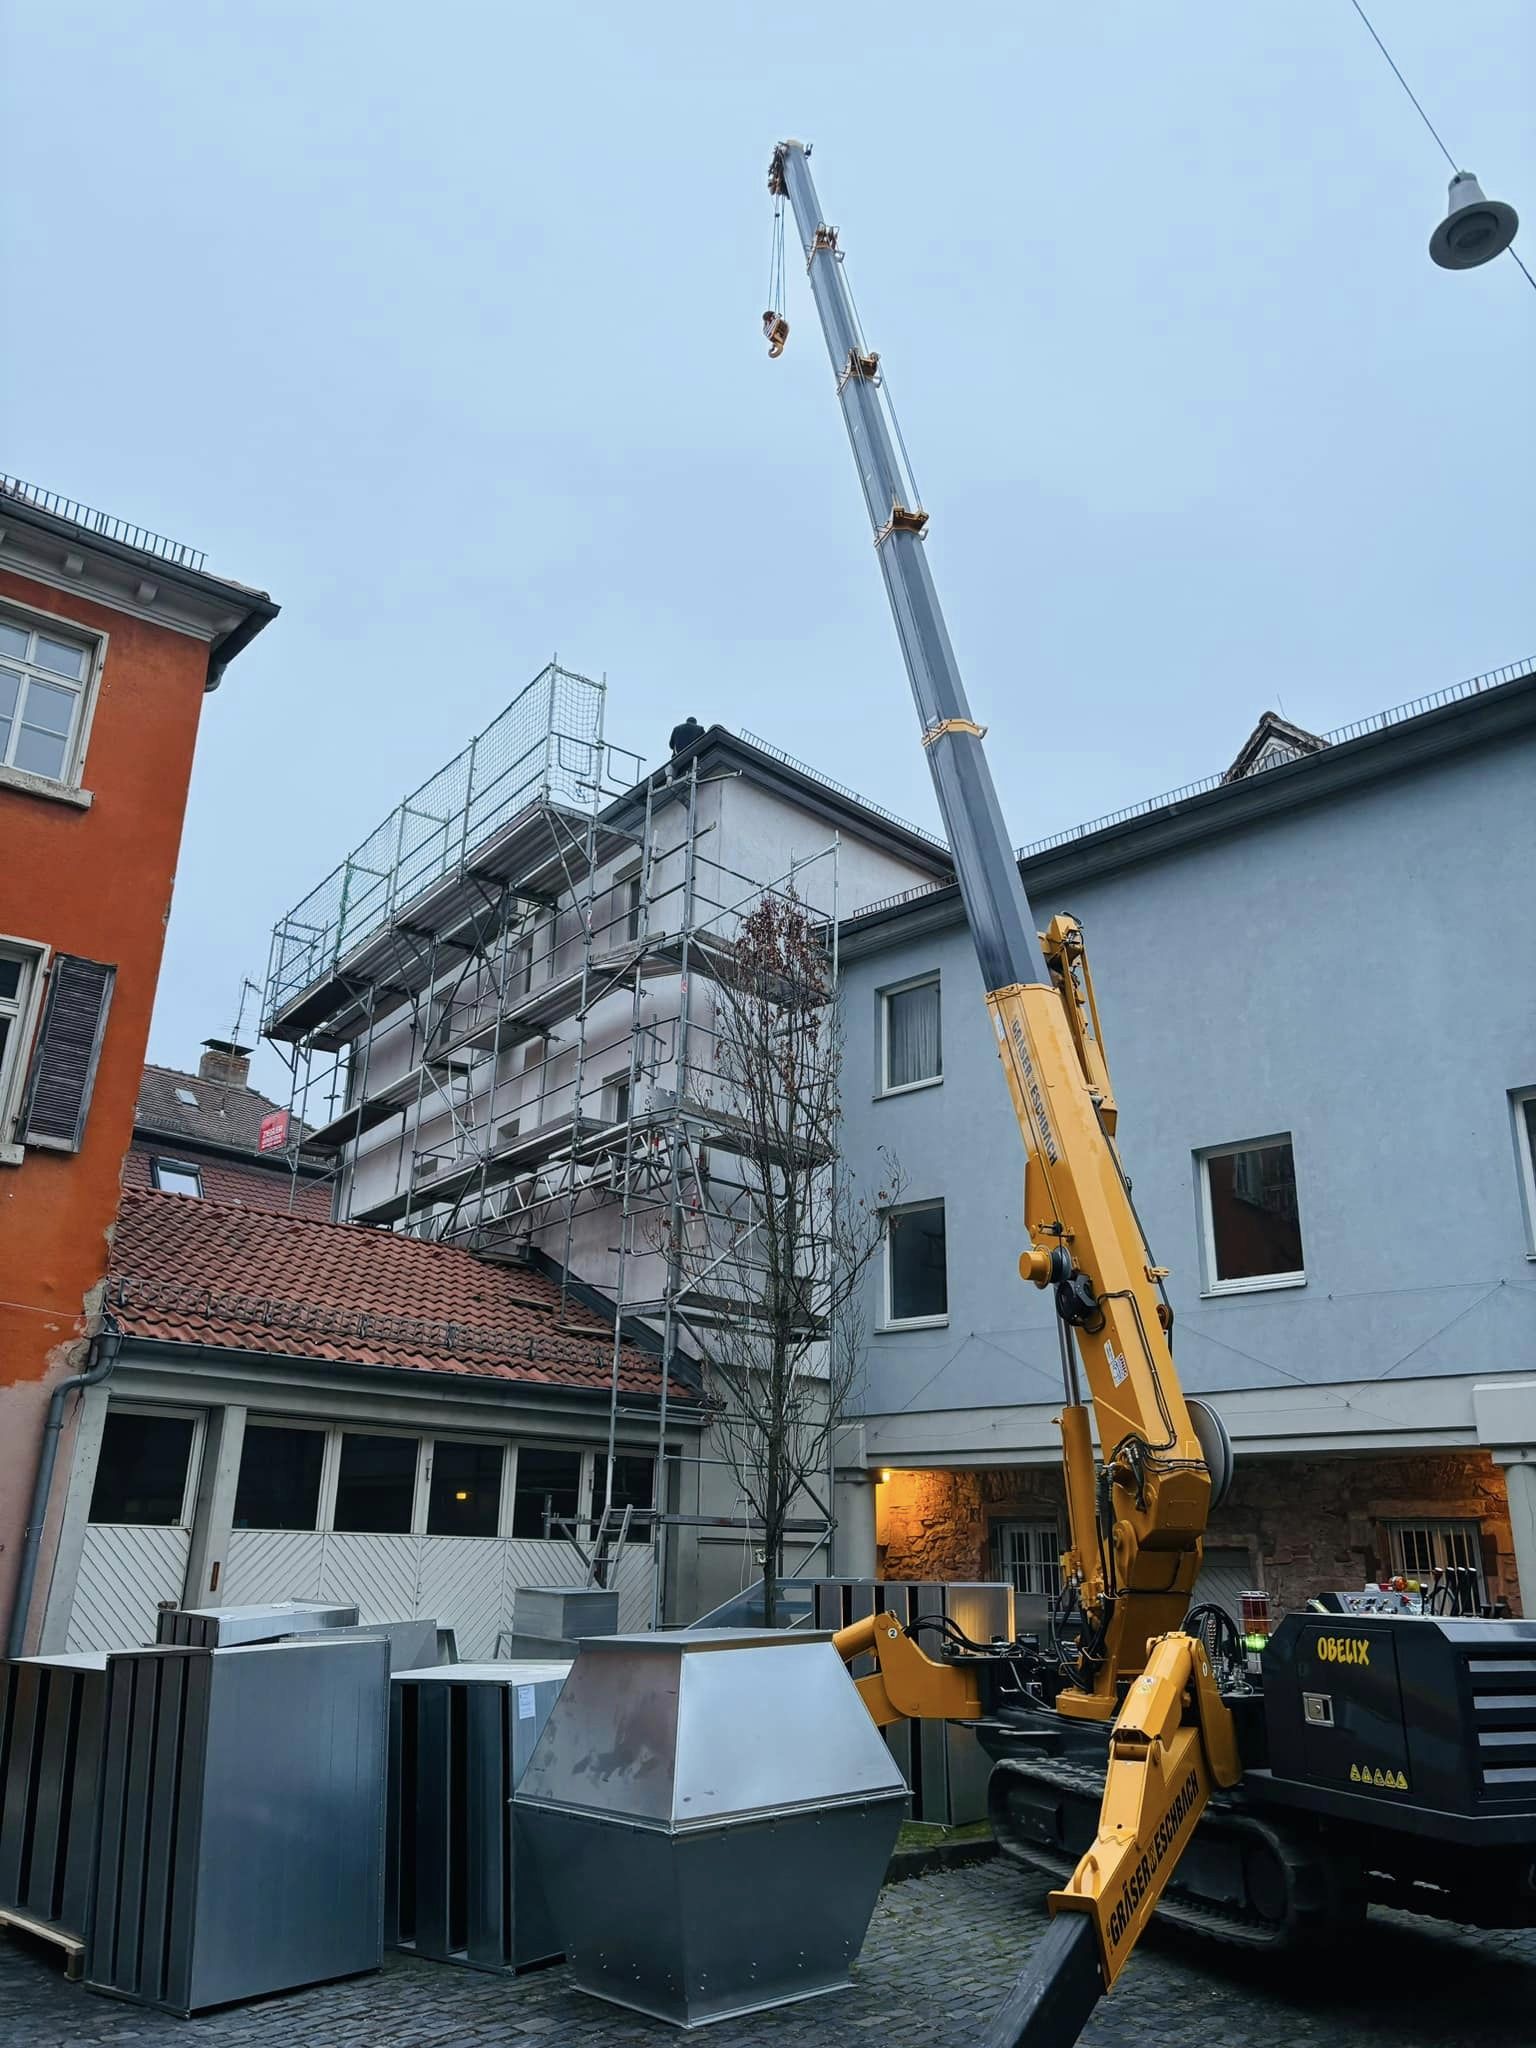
x=198, y=1272
x=233, y=1180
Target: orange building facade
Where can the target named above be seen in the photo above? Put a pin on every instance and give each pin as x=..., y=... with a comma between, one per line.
x=110, y=639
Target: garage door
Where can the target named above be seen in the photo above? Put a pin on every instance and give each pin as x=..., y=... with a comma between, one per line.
x=1225, y=1575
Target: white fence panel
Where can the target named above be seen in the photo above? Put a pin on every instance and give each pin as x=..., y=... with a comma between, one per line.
x=125, y=1573
x=272, y=1564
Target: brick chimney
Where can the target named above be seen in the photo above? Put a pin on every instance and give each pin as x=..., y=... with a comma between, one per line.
x=225, y=1062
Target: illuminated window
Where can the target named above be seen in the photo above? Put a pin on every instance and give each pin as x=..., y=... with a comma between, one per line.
x=465, y=1494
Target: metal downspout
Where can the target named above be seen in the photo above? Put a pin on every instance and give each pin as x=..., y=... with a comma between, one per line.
x=105, y=1346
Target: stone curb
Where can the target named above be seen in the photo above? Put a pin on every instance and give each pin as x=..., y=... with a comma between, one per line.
x=907, y=1863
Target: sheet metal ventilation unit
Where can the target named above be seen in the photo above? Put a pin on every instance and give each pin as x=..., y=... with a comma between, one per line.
x=222, y=1628
x=50, y=1753
x=713, y=1812
x=241, y=1841
x=461, y=1886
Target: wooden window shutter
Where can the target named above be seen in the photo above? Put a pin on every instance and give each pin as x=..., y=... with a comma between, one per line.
x=68, y=1048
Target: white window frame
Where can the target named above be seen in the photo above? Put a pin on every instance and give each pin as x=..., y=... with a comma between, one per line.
x=457, y=1436
x=94, y=646
x=23, y=1013
x=198, y=1418
x=1437, y=1528
x=330, y=1450
x=583, y=1485
x=629, y=888
x=330, y=1482
x=1037, y=1525
x=611, y=1086
x=1524, y=1150
x=1258, y=1283
x=889, y=1320
x=901, y=988
x=176, y=1166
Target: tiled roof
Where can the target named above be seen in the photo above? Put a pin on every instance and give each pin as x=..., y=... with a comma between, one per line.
x=241, y=1181
x=207, y=1273
x=218, y=1114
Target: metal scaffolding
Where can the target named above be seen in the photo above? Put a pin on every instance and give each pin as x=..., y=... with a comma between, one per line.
x=500, y=1018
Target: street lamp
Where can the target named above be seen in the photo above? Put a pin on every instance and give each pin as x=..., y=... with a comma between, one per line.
x=1475, y=229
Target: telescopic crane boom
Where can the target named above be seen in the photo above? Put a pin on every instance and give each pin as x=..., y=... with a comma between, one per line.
x=1135, y=1515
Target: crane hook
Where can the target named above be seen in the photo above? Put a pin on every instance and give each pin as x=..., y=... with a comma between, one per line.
x=776, y=327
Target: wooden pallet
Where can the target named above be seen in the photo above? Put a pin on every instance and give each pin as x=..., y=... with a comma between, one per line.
x=73, y=1945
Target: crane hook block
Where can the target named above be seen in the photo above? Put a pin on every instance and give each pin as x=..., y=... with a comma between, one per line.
x=776, y=327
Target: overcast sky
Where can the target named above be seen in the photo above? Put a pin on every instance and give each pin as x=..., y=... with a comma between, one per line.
x=443, y=326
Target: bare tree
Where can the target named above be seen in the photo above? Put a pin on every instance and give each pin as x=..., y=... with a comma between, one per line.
x=781, y=1249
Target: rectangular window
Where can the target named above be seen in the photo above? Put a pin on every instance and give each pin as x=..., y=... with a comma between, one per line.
x=1444, y=1556
x=916, y=1278
x=141, y=1474
x=912, y=1052
x=174, y=1178
x=626, y=891
x=1029, y=1556
x=19, y=965
x=1251, y=1216
x=616, y=1098
x=376, y=1485
x=549, y=1479
x=1524, y=1103
x=465, y=1496
x=279, y=1484
x=44, y=679
x=632, y=1477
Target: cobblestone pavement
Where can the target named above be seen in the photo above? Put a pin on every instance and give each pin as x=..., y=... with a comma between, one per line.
x=940, y=1953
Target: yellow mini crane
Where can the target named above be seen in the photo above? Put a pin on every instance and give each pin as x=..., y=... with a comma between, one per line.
x=1358, y=1766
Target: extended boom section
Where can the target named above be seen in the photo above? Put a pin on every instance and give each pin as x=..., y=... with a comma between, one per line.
x=1136, y=1514
x=1135, y=1532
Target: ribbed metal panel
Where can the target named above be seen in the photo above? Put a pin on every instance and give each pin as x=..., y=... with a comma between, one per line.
x=50, y=1751
x=461, y=1887
x=241, y=1835
x=1501, y=1679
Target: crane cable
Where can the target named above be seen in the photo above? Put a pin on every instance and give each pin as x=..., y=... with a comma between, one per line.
x=775, y=326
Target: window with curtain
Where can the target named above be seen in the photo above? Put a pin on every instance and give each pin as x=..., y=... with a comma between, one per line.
x=913, y=1048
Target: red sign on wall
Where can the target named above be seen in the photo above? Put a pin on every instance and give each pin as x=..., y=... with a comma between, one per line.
x=273, y=1134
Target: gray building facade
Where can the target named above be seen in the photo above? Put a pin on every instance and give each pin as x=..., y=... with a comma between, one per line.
x=1318, y=990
